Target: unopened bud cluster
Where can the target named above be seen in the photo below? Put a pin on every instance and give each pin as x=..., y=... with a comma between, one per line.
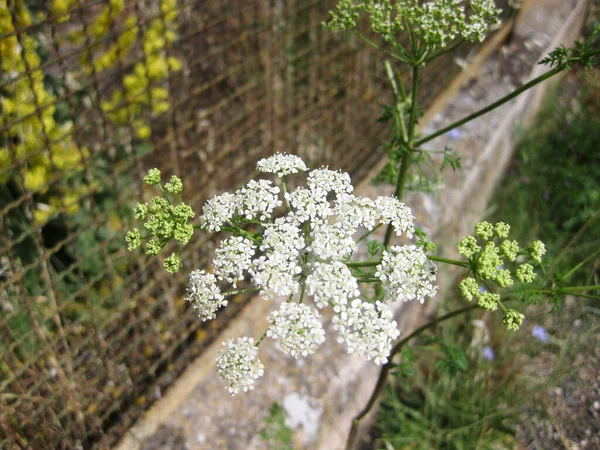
x=486, y=264
x=165, y=221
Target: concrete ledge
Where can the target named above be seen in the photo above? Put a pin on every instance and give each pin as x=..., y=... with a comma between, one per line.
x=321, y=394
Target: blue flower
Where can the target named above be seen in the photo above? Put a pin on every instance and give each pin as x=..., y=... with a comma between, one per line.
x=454, y=134
x=488, y=353
x=540, y=333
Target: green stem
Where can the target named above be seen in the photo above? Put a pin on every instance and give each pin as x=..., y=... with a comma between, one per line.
x=413, y=105
x=491, y=107
x=454, y=262
x=262, y=338
x=397, y=99
x=367, y=280
x=405, y=163
x=592, y=297
x=284, y=189
x=387, y=367
x=444, y=51
x=368, y=233
x=302, y=292
x=240, y=291
x=377, y=47
x=164, y=193
x=581, y=264
x=400, y=182
x=593, y=287
x=363, y=264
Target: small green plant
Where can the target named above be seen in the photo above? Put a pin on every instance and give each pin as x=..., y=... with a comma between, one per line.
x=440, y=408
x=276, y=433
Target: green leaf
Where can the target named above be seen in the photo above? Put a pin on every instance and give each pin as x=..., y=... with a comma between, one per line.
x=374, y=247
x=386, y=115
x=276, y=433
x=450, y=159
x=453, y=361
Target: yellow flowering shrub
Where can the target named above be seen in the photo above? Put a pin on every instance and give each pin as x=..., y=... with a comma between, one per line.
x=34, y=144
x=38, y=146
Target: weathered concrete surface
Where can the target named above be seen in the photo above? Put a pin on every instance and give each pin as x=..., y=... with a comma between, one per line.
x=322, y=393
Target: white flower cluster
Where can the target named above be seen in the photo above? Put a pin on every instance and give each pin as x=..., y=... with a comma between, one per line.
x=367, y=329
x=204, y=294
x=297, y=329
x=282, y=164
x=332, y=284
x=276, y=271
x=218, y=211
x=256, y=200
x=238, y=363
x=325, y=180
x=392, y=210
x=232, y=258
x=406, y=274
x=307, y=250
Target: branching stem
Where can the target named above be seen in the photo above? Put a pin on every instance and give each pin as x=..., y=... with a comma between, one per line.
x=387, y=367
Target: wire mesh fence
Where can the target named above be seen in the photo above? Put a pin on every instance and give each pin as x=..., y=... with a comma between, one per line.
x=92, y=94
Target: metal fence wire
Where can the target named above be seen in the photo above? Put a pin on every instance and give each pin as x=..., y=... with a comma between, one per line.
x=93, y=93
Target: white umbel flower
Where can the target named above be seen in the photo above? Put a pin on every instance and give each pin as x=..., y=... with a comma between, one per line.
x=297, y=329
x=238, y=364
x=353, y=212
x=218, y=211
x=204, y=294
x=326, y=180
x=258, y=199
x=276, y=275
x=331, y=242
x=406, y=274
x=284, y=238
x=308, y=205
x=232, y=258
x=331, y=284
x=367, y=329
x=391, y=210
x=282, y=164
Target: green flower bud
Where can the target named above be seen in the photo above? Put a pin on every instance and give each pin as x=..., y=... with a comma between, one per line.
x=183, y=211
x=153, y=177
x=513, y=319
x=172, y=263
x=502, y=229
x=157, y=204
x=468, y=247
x=504, y=279
x=133, y=239
x=525, y=273
x=153, y=247
x=468, y=288
x=536, y=250
x=484, y=230
x=175, y=186
x=489, y=261
x=488, y=300
x=510, y=249
x=141, y=211
x=183, y=233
